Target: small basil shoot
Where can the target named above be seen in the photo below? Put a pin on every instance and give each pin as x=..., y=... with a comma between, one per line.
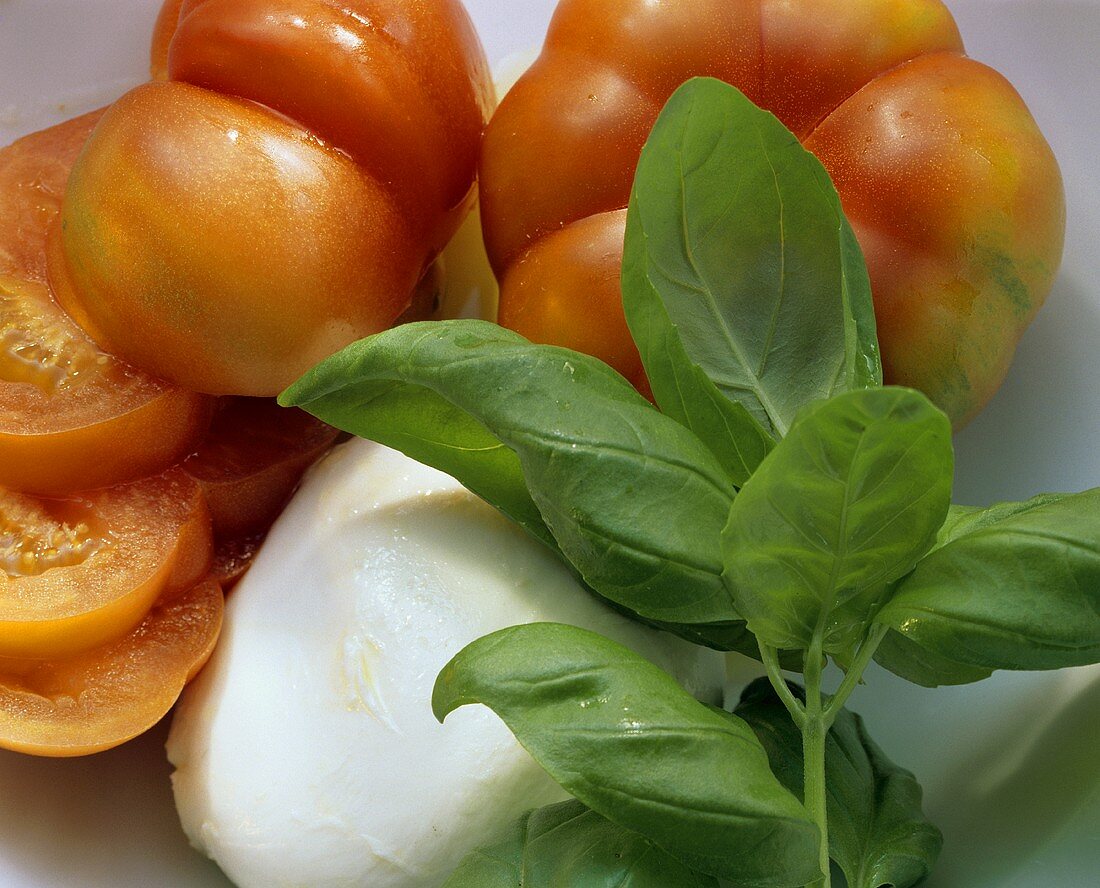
x=780, y=502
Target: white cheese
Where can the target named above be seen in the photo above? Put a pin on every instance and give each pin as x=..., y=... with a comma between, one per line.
x=306, y=752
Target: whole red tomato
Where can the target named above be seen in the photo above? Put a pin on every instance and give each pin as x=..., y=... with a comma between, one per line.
x=281, y=193
x=953, y=192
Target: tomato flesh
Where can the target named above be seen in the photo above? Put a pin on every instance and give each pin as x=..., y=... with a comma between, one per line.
x=106, y=696
x=233, y=557
x=33, y=173
x=81, y=572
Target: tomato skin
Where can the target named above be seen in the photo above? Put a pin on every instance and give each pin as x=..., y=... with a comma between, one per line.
x=961, y=260
x=103, y=697
x=165, y=26
x=584, y=257
x=282, y=194
x=564, y=144
x=258, y=251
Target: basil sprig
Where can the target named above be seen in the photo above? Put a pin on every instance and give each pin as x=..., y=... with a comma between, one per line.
x=633, y=499
x=780, y=503
x=844, y=506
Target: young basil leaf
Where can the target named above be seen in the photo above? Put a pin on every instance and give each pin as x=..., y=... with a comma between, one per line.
x=680, y=387
x=845, y=505
x=1016, y=586
x=878, y=834
x=622, y=736
x=739, y=260
x=634, y=501
x=569, y=845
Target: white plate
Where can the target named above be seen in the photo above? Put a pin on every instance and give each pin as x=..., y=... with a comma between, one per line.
x=1010, y=766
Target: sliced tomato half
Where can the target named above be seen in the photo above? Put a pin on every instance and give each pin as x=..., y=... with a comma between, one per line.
x=252, y=460
x=33, y=173
x=81, y=572
x=233, y=557
x=106, y=696
x=71, y=417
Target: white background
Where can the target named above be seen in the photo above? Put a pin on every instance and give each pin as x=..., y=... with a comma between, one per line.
x=1010, y=767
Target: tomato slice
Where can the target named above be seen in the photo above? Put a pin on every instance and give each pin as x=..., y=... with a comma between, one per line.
x=252, y=460
x=232, y=559
x=107, y=696
x=74, y=418
x=33, y=173
x=71, y=417
x=81, y=572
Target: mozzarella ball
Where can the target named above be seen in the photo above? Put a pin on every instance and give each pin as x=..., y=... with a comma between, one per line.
x=306, y=753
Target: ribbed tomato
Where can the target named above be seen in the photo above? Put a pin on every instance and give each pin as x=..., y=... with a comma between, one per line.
x=953, y=192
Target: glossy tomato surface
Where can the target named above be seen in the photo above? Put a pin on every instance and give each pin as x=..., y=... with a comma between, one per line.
x=331, y=153
x=953, y=192
x=72, y=417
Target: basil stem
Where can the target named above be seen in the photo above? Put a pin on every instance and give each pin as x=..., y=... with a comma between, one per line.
x=814, y=730
x=878, y=834
x=815, y=719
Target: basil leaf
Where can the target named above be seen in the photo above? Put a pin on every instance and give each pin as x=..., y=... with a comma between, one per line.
x=730, y=637
x=634, y=501
x=878, y=834
x=739, y=259
x=923, y=667
x=1016, y=586
x=680, y=387
x=433, y=431
x=622, y=736
x=964, y=520
x=570, y=845
x=845, y=505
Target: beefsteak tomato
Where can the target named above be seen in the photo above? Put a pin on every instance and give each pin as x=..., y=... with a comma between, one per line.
x=950, y=186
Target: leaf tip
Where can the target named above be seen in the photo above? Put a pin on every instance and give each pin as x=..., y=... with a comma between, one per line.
x=444, y=699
